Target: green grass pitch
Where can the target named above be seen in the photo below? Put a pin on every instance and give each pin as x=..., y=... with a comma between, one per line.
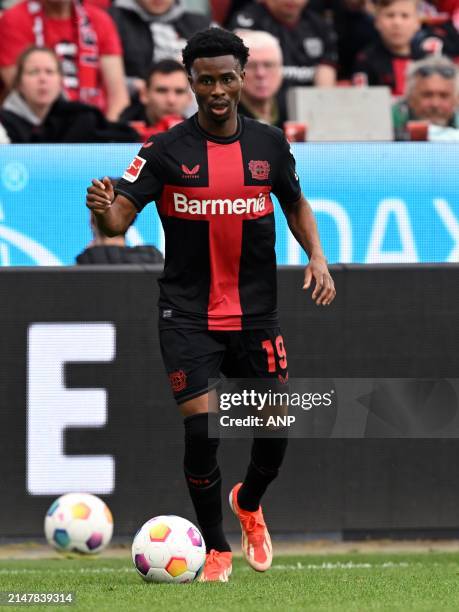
x=354, y=582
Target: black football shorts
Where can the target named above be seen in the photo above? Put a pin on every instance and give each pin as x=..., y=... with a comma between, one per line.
x=192, y=357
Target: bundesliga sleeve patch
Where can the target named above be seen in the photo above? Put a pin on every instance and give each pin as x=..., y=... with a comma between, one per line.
x=131, y=173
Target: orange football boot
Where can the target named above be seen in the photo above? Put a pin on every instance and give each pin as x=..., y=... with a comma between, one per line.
x=217, y=568
x=255, y=542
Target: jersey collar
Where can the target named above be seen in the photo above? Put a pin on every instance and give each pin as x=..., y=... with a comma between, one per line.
x=212, y=138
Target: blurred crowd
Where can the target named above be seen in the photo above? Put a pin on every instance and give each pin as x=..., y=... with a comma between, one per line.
x=110, y=70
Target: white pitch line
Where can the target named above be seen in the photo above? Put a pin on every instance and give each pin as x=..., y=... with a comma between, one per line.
x=339, y=565
x=294, y=567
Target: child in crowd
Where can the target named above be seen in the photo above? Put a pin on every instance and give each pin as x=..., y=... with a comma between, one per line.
x=401, y=40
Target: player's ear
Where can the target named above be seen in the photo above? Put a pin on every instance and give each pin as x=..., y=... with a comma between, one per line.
x=190, y=81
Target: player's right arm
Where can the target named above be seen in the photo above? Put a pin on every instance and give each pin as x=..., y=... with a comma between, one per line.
x=141, y=183
x=114, y=214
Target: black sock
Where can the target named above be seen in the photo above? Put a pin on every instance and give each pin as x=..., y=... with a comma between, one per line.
x=267, y=456
x=204, y=480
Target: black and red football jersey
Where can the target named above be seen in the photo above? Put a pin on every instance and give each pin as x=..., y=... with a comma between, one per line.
x=376, y=65
x=213, y=196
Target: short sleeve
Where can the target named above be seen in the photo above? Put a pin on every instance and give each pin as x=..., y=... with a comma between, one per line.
x=16, y=35
x=141, y=182
x=286, y=186
x=107, y=35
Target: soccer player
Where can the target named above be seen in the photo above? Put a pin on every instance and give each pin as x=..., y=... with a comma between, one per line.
x=212, y=178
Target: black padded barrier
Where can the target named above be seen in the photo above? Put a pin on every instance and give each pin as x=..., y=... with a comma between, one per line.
x=387, y=321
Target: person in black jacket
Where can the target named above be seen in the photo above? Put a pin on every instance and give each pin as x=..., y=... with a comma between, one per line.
x=36, y=112
x=152, y=31
x=308, y=43
x=114, y=250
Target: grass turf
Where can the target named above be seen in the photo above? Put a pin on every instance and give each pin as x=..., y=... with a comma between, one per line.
x=363, y=582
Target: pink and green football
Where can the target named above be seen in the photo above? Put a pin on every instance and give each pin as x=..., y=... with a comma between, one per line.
x=79, y=522
x=168, y=549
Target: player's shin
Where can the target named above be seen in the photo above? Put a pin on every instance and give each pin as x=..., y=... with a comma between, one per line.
x=204, y=481
x=266, y=459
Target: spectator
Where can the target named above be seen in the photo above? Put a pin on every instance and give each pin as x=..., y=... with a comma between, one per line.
x=103, y=4
x=307, y=41
x=432, y=95
x=263, y=79
x=451, y=7
x=353, y=21
x=113, y=250
x=152, y=30
x=162, y=104
x=438, y=33
x=35, y=110
x=401, y=40
x=385, y=61
x=84, y=38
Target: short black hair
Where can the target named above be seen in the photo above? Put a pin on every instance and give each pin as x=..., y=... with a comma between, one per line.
x=214, y=42
x=165, y=66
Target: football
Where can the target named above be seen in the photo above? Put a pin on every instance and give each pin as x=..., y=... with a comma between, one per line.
x=80, y=522
x=168, y=549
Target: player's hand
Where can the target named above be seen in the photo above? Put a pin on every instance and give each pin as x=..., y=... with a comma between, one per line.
x=100, y=195
x=324, y=291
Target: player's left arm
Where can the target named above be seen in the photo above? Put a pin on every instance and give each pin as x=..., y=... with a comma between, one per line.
x=300, y=218
x=302, y=224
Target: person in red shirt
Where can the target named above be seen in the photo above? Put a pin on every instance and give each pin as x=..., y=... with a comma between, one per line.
x=451, y=8
x=85, y=40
